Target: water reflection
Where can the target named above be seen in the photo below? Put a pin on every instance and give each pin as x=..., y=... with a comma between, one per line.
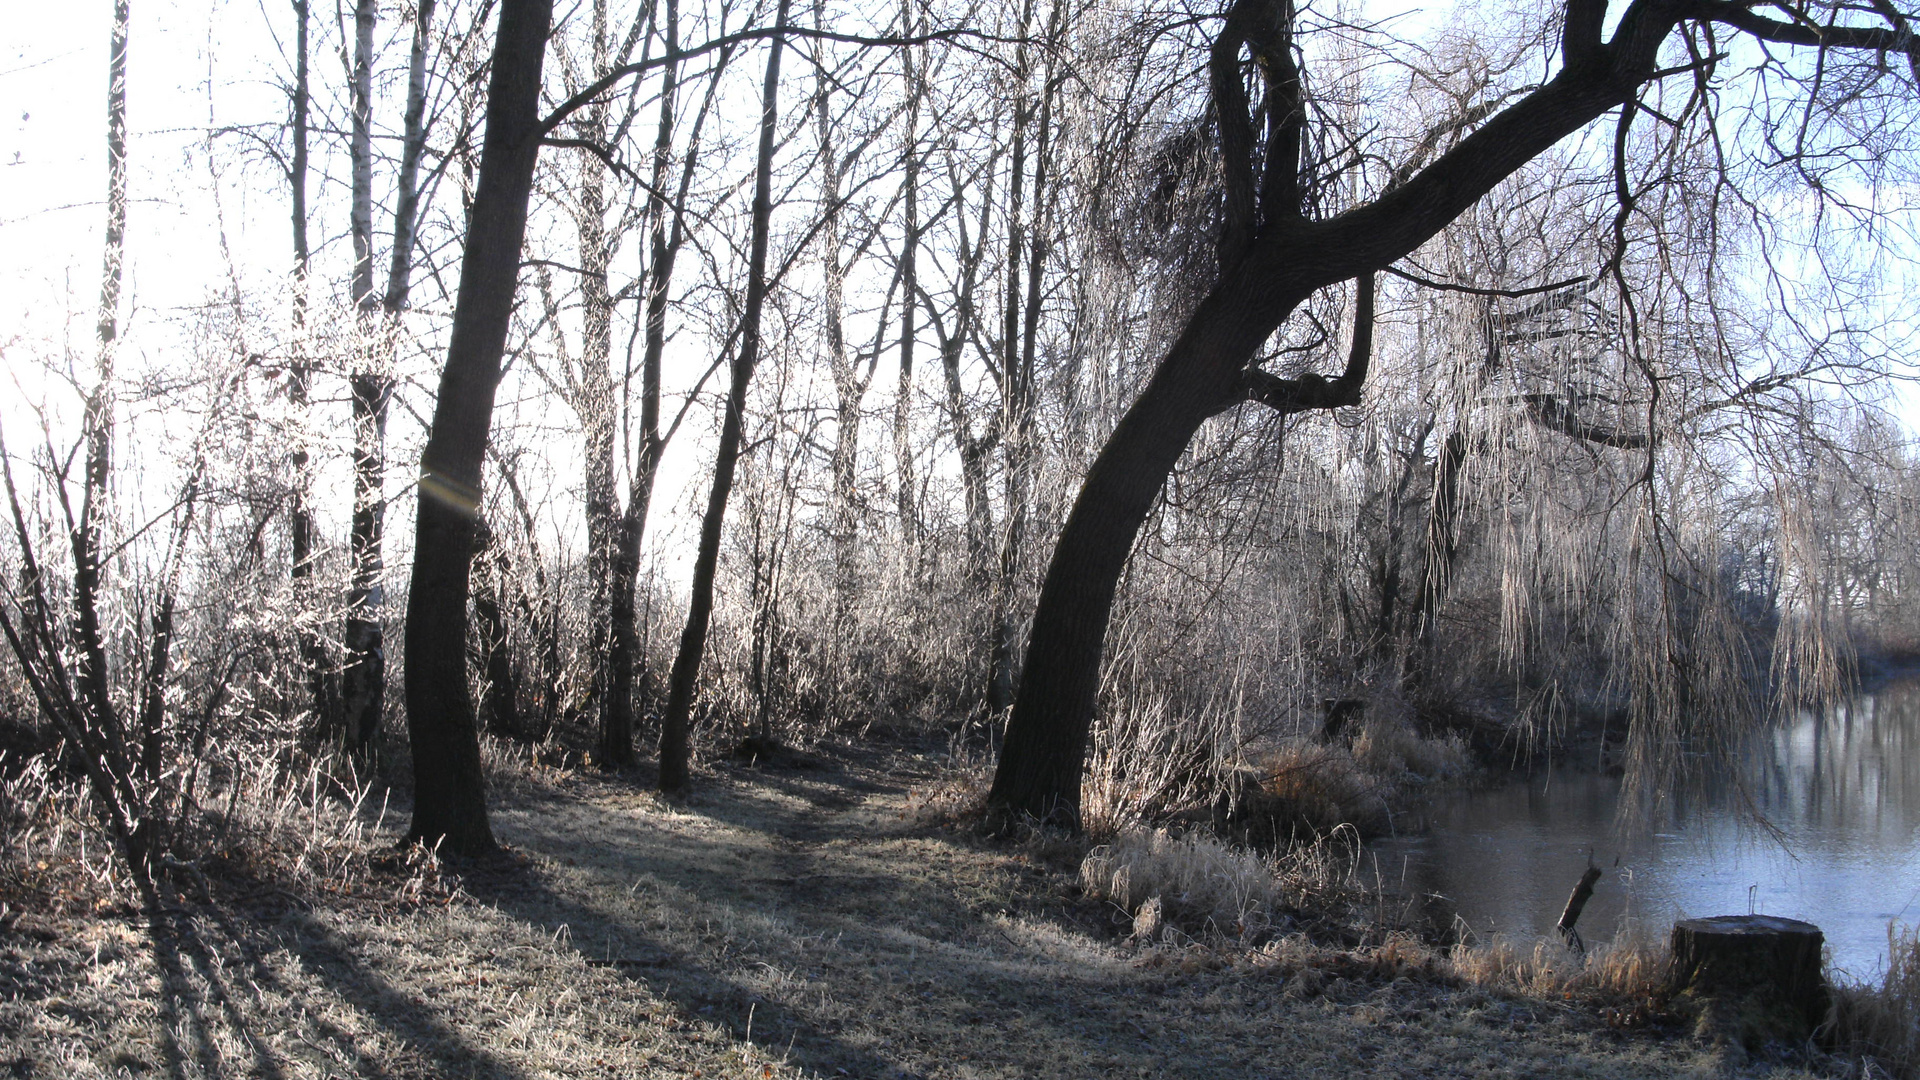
x=1843, y=790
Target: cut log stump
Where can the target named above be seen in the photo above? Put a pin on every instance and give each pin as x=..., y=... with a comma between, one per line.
x=1750, y=979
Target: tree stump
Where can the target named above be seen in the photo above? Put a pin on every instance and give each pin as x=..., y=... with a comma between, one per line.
x=1750, y=979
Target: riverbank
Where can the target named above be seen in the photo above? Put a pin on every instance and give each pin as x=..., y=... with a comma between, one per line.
x=815, y=920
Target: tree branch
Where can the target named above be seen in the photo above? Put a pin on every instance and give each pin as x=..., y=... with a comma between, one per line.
x=1232, y=113
x=1310, y=391
x=605, y=155
x=727, y=41
x=1872, y=38
x=1550, y=412
x=1511, y=294
x=1286, y=111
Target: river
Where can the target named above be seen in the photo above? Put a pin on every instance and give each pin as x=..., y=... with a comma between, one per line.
x=1841, y=789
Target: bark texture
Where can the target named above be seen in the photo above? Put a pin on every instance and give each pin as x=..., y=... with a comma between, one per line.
x=450, y=807
x=1750, y=979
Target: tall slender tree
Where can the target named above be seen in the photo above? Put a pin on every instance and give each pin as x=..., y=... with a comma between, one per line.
x=364, y=677
x=666, y=222
x=300, y=519
x=675, y=749
x=450, y=806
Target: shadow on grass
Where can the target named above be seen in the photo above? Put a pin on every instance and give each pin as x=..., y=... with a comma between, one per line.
x=172, y=936
x=432, y=1047
x=783, y=908
x=918, y=975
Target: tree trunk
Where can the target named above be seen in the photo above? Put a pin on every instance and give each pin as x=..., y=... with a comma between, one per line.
x=364, y=680
x=667, y=234
x=406, y=207
x=96, y=695
x=908, y=503
x=1041, y=762
x=449, y=793
x=849, y=388
x=363, y=687
x=973, y=450
x=674, y=748
x=597, y=408
x=313, y=650
x=1013, y=401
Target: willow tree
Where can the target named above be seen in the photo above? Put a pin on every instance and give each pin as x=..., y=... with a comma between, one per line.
x=1300, y=210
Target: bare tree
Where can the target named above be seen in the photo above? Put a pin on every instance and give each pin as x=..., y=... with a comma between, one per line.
x=364, y=680
x=300, y=519
x=674, y=746
x=587, y=382
x=450, y=798
x=1287, y=230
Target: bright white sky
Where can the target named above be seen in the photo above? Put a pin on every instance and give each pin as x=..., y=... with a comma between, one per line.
x=195, y=64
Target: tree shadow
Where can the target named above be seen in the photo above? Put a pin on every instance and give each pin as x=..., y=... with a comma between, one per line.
x=171, y=936
x=696, y=990
x=790, y=866
x=194, y=973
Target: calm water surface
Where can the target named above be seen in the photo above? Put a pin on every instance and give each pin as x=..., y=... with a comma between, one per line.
x=1843, y=789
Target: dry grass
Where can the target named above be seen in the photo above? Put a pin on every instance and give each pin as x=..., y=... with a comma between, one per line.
x=264, y=816
x=1878, y=1026
x=1390, y=747
x=1195, y=887
x=1630, y=968
x=798, y=923
x=1313, y=787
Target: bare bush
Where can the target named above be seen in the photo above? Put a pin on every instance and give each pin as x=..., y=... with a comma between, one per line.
x=1205, y=889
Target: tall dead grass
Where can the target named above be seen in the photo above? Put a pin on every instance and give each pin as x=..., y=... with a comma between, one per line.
x=1204, y=889
x=1304, y=786
x=1877, y=1026
x=1632, y=966
x=1150, y=759
x=258, y=817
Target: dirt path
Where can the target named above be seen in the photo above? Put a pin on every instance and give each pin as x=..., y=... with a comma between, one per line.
x=779, y=923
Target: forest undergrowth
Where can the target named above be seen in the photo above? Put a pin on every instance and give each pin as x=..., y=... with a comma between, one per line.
x=829, y=914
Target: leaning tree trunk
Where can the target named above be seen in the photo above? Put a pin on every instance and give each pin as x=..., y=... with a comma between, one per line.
x=1041, y=762
x=1272, y=255
x=674, y=749
x=450, y=806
